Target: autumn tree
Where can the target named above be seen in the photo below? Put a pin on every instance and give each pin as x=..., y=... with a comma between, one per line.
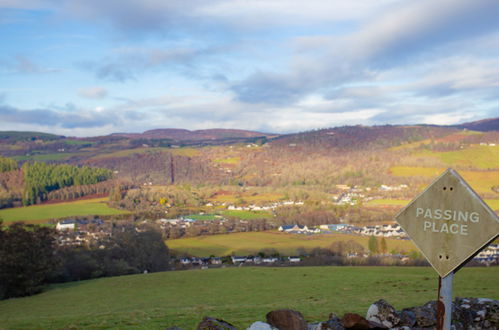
x=373, y=245
x=383, y=246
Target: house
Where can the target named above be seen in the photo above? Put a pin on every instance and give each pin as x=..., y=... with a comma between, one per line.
x=216, y=261
x=269, y=260
x=334, y=227
x=294, y=259
x=236, y=259
x=66, y=225
x=297, y=229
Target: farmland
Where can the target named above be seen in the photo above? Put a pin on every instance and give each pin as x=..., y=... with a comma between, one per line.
x=492, y=203
x=238, y=295
x=480, y=181
x=43, y=213
x=251, y=243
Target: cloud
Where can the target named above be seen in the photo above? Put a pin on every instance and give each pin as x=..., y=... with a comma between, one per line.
x=406, y=34
x=21, y=64
x=50, y=118
x=93, y=92
x=128, y=64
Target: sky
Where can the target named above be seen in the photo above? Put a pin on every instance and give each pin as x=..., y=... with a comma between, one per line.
x=95, y=67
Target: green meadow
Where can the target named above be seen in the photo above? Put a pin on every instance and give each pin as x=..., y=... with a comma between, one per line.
x=43, y=213
x=253, y=242
x=476, y=156
x=240, y=296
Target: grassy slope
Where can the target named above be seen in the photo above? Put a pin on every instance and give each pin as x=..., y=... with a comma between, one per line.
x=493, y=203
x=476, y=156
x=41, y=213
x=251, y=243
x=238, y=295
x=480, y=181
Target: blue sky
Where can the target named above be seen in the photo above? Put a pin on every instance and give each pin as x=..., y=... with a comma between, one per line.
x=94, y=67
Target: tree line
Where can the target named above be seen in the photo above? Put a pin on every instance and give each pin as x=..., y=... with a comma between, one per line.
x=30, y=257
x=41, y=178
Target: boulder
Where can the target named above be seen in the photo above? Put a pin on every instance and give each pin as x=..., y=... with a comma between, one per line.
x=260, y=326
x=334, y=323
x=426, y=315
x=407, y=318
x=383, y=313
x=356, y=322
x=209, y=323
x=287, y=319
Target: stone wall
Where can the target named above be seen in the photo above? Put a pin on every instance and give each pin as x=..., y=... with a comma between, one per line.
x=467, y=314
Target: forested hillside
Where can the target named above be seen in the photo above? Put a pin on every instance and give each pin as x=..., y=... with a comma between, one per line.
x=314, y=165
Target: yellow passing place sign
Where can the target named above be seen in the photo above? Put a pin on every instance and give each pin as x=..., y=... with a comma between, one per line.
x=449, y=222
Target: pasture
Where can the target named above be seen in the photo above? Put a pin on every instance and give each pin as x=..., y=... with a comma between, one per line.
x=237, y=295
x=480, y=181
x=253, y=242
x=43, y=213
x=492, y=203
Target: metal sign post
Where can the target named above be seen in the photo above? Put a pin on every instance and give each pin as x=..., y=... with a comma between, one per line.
x=450, y=224
x=444, y=302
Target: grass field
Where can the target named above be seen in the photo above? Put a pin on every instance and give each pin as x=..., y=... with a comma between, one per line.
x=476, y=156
x=42, y=213
x=480, y=181
x=251, y=243
x=249, y=198
x=247, y=215
x=240, y=296
x=46, y=157
x=492, y=203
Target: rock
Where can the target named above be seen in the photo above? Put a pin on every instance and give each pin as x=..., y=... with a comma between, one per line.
x=209, y=323
x=354, y=321
x=334, y=323
x=286, y=319
x=383, y=313
x=407, y=318
x=315, y=326
x=260, y=326
x=357, y=322
x=426, y=315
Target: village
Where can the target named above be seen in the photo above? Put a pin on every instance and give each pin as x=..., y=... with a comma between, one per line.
x=96, y=232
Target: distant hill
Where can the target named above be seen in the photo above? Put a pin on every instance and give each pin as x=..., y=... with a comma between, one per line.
x=485, y=125
x=13, y=136
x=199, y=135
x=360, y=137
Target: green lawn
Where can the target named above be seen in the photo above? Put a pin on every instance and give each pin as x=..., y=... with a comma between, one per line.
x=42, y=213
x=202, y=217
x=238, y=295
x=251, y=243
x=247, y=215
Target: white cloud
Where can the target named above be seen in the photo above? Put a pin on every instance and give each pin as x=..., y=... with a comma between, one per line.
x=93, y=92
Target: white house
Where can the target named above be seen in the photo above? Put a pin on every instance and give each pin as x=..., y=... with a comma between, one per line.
x=66, y=225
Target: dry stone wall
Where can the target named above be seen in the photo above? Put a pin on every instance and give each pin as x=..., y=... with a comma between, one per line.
x=467, y=314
